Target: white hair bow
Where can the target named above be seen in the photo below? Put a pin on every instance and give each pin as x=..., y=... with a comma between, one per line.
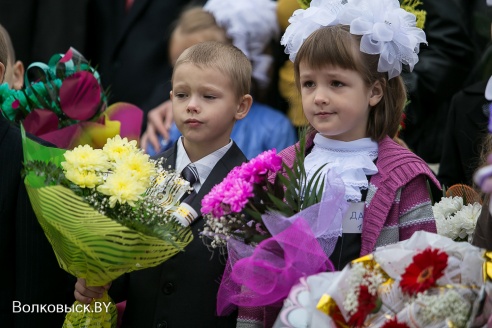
x=386, y=29
x=252, y=25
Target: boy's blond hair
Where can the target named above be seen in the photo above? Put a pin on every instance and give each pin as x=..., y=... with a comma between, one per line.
x=226, y=58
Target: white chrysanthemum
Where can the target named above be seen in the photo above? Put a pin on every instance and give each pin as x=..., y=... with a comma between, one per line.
x=447, y=206
x=467, y=218
x=454, y=220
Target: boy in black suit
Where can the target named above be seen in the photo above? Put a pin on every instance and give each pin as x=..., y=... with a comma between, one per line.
x=211, y=82
x=30, y=267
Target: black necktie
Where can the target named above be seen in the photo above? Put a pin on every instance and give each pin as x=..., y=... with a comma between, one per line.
x=190, y=174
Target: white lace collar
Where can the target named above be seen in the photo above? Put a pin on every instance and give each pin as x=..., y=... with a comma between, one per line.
x=352, y=161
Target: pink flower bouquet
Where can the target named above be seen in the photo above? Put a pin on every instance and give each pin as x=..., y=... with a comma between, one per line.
x=269, y=229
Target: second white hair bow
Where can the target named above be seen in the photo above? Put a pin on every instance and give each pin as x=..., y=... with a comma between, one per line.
x=386, y=29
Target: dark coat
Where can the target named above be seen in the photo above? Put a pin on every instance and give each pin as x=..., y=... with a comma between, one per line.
x=482, y=236
x=465, y=131
x=30, y=273
x=40, y=29
x=130, y=48
x=181, y=292
x=442, y=68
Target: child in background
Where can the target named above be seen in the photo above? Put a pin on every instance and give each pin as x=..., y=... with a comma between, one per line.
x=211, y=81
x=482, y=236
x=30, y=265
x=229, y=21
x=353, y=97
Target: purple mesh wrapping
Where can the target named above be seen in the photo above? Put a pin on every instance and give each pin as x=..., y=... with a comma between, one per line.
x=263, y=275
x=274, y=266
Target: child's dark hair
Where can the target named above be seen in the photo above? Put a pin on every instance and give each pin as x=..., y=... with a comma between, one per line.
x=336, y=46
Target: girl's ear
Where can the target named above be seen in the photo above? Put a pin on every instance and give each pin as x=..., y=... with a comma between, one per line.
x=376, y=94
x=243, y=107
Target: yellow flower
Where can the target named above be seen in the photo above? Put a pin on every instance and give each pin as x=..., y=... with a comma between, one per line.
x=85, y=158
x=138, y=166
x=117, y=148
x=83, y=178
x=122, y=188
x=411, y=7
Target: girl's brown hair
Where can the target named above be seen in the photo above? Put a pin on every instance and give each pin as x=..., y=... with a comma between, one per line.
x=336, y=46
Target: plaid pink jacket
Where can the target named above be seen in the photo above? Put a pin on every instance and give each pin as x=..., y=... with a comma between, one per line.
x=397, y=202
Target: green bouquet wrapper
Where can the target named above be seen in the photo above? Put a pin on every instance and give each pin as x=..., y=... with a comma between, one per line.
x=88, y=244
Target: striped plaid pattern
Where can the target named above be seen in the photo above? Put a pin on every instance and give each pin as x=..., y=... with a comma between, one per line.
x=398, y=202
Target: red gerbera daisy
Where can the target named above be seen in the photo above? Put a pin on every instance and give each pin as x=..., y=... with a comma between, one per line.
x=366, y=304
x=422, y=273
x=393, y=323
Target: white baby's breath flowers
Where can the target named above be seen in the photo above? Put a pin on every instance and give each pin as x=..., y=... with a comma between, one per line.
x=361, y=276
x=218, y=230
x=448, y=307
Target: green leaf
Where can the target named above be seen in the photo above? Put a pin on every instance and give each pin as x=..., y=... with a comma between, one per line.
x=254, y=214
x=281, y=206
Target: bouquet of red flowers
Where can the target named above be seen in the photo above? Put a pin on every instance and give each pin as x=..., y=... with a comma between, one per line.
x=426, y=281
x=64, y=103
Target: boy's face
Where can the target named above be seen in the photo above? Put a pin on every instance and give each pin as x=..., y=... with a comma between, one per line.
x=205, y=106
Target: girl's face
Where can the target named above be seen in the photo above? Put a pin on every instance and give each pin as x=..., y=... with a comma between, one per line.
x=336, y=101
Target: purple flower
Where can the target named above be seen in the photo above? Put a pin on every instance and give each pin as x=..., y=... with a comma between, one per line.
x=212, y=202
x=234, y=192
x=256, y=170
x=237, y=196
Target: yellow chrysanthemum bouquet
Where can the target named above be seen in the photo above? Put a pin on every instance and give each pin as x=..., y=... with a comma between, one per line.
x=105, y=212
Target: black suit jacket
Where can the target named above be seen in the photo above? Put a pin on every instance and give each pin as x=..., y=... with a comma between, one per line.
x=443, y=66
x=181, y=292
x=130, y=48
x=465, y=131
x=40, y=29
x=30, y=273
